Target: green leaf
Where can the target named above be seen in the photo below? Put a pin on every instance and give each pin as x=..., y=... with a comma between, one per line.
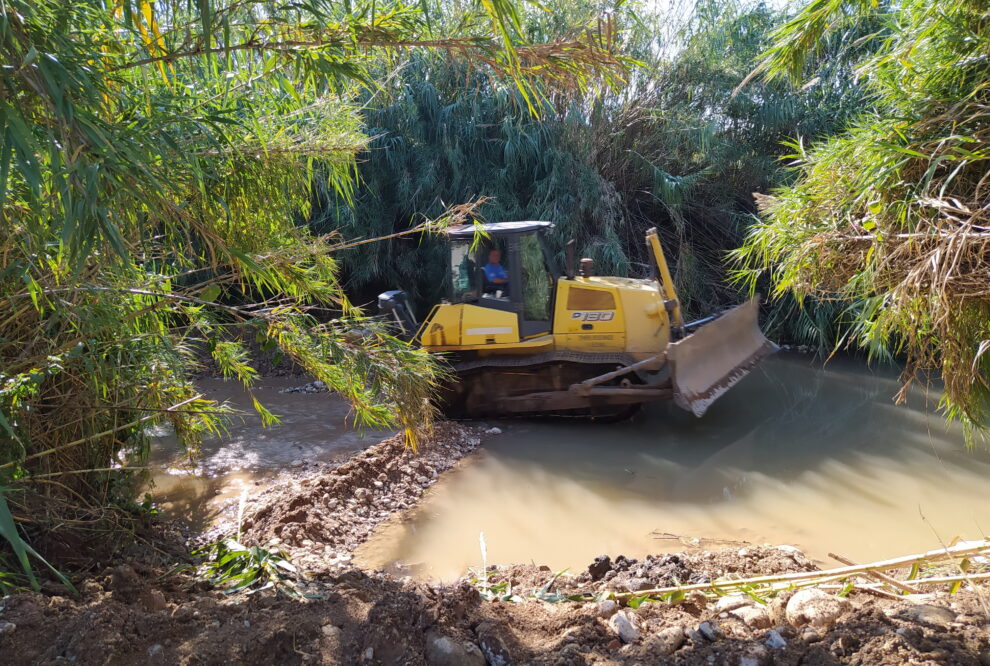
x=210, y=294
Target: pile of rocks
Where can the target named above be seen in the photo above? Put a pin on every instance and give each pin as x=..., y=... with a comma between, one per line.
x=313, y=387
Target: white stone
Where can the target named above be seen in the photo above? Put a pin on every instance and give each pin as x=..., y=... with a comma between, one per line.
x=710, y=631
x=731, y=602
x=666, y=641
x=493, y=431
x=754, y=617
x=622, y=624
x=444, y=651
x=607, y=608
x=7, y=627
x=815, y=607
x=790, y=549
x=155, y=650
x=774, y=640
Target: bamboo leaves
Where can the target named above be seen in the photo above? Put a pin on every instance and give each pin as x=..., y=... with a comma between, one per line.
x=889, y=214
x=22, y=550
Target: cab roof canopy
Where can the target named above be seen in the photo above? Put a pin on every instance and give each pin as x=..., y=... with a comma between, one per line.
x=466, y=231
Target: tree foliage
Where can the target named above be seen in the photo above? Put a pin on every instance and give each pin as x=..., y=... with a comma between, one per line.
x=153, y=160
x=891, y=214
x=672, y=148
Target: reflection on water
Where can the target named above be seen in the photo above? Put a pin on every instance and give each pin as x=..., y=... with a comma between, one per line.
x=818, y=458
x=314, y=428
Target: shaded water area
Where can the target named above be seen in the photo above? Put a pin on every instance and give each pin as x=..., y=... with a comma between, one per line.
x=314, y=427
x=816, y=457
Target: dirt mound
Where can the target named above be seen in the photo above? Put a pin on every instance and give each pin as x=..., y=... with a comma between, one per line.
x=319, y=518
x=625, y=574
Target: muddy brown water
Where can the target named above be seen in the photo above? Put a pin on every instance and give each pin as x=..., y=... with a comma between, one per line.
x=798, y=454
x=314, y=427
x=816, y=457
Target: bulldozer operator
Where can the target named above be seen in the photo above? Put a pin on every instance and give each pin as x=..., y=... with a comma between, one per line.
x=495, y=276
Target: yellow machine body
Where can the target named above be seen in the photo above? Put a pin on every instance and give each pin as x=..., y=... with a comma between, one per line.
x=590, y=314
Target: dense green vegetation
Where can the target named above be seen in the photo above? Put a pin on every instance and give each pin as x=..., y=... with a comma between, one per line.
x=153, y=159
x=890, y=215
x=673, y=148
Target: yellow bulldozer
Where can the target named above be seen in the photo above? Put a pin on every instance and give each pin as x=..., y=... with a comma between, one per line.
x=526, y=339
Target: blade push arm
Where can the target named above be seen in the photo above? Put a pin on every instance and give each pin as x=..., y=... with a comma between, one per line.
x=653, y=241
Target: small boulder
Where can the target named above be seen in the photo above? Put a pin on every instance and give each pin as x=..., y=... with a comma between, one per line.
x=666, y=641
x=492, y=644
x=607, y=608
x=774, y=640
x=637, y=584
x=7, y=627
x=931, y=615
x=754, y=617
x=730, y=602
x=445, y=651
x=622, y=624
x=695, y=636
x=710, y=631
x=601, y=566
x=815, y=607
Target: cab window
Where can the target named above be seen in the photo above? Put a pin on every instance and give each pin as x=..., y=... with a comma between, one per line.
x=463, y=272
x=536, y=279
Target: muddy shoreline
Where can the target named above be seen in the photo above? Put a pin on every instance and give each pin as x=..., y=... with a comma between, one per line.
x=321, y=515
x=138, y=612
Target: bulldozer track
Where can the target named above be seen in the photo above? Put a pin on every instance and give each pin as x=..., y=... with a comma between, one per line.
x=546, y=357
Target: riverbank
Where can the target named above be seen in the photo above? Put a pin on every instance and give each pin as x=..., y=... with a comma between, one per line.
x=321, y=515
x=141, y=612
x=130, y=616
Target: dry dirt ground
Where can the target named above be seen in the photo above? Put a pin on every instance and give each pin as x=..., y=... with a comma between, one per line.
x=137, y=613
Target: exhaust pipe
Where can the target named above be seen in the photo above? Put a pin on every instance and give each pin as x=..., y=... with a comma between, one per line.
x=394, y=305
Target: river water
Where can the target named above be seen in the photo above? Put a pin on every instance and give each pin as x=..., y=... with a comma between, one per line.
x=816, y=457
x=314, y=427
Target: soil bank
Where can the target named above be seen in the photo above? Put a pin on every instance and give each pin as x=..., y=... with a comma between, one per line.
x=138, y=613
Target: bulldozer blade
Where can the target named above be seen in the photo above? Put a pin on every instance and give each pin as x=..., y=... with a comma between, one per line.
x=711, y=360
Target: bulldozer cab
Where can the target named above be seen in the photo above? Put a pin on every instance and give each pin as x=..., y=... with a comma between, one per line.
x=504, y=267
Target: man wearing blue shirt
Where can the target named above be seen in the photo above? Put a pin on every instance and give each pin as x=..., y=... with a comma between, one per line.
x=494, y=273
